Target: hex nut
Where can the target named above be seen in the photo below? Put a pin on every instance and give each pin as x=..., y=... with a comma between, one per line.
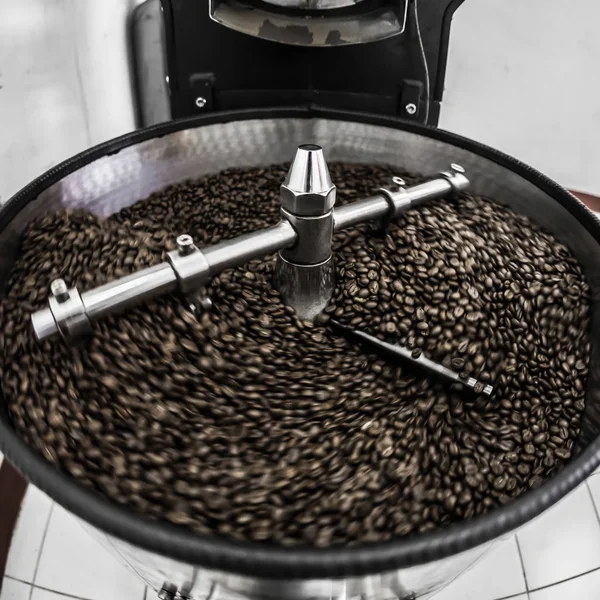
x=304, y=204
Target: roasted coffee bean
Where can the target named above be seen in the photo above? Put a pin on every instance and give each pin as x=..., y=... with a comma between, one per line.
x=250, y=423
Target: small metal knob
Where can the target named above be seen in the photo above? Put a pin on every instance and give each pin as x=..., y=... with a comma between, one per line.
x=58, y=288
x=199, y=303
x=205, y=303
x=185, y=244
x=457, y=178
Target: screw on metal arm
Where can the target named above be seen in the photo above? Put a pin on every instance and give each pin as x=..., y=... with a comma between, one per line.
x=58, y=288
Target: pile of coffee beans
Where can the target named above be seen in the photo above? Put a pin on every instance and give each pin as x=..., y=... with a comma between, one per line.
x=252, y=424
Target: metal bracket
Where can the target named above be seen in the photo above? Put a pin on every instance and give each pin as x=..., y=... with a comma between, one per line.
x=456, y=178
x=192, y=271
x=68, y=310
x=410, y=99
x=397, y=198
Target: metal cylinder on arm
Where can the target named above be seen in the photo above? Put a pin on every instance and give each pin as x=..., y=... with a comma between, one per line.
x=304, y=273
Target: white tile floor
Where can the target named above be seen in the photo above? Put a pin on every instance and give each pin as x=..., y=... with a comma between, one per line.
x=555, y=557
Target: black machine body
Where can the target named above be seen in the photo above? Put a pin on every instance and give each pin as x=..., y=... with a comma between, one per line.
x=383, y=57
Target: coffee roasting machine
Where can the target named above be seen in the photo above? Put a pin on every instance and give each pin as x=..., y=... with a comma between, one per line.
x=242, y=83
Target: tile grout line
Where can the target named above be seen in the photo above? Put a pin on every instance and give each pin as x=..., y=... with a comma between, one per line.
x=579, y=574
x=39, y=558
x=17, y=579
x=41, y=587
x=522, y=564
x=545, y=587
x=549, y=585
x=517, y=595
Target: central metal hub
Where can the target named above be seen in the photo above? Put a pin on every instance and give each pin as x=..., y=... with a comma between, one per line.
x=307, y=201
x=304, y=273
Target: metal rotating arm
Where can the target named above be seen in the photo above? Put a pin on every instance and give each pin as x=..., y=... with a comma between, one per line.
x=302, y=237
x=187, y=270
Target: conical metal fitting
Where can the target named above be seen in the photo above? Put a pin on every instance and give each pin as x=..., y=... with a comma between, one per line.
x=304, y=273
x=308, y=190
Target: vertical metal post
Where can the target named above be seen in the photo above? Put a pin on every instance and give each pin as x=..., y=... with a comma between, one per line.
x=304, y=273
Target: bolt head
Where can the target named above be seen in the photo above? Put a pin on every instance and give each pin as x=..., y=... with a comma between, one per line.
x=58, y=288
x=200, y=304
x=411, y=108
x=398, y=181
x=185, y=244
x=308, y=190
x=205, y=303
x=200, y=102
x=457, y=168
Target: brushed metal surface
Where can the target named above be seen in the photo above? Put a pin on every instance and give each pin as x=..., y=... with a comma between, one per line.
x=421, y=581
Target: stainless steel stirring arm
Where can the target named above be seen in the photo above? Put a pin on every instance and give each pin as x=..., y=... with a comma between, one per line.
x=304, y=272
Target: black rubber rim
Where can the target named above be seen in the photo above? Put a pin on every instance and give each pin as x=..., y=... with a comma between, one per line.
x=269, y=561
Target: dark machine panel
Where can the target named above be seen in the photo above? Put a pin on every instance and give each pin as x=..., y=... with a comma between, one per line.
x=208, y=66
